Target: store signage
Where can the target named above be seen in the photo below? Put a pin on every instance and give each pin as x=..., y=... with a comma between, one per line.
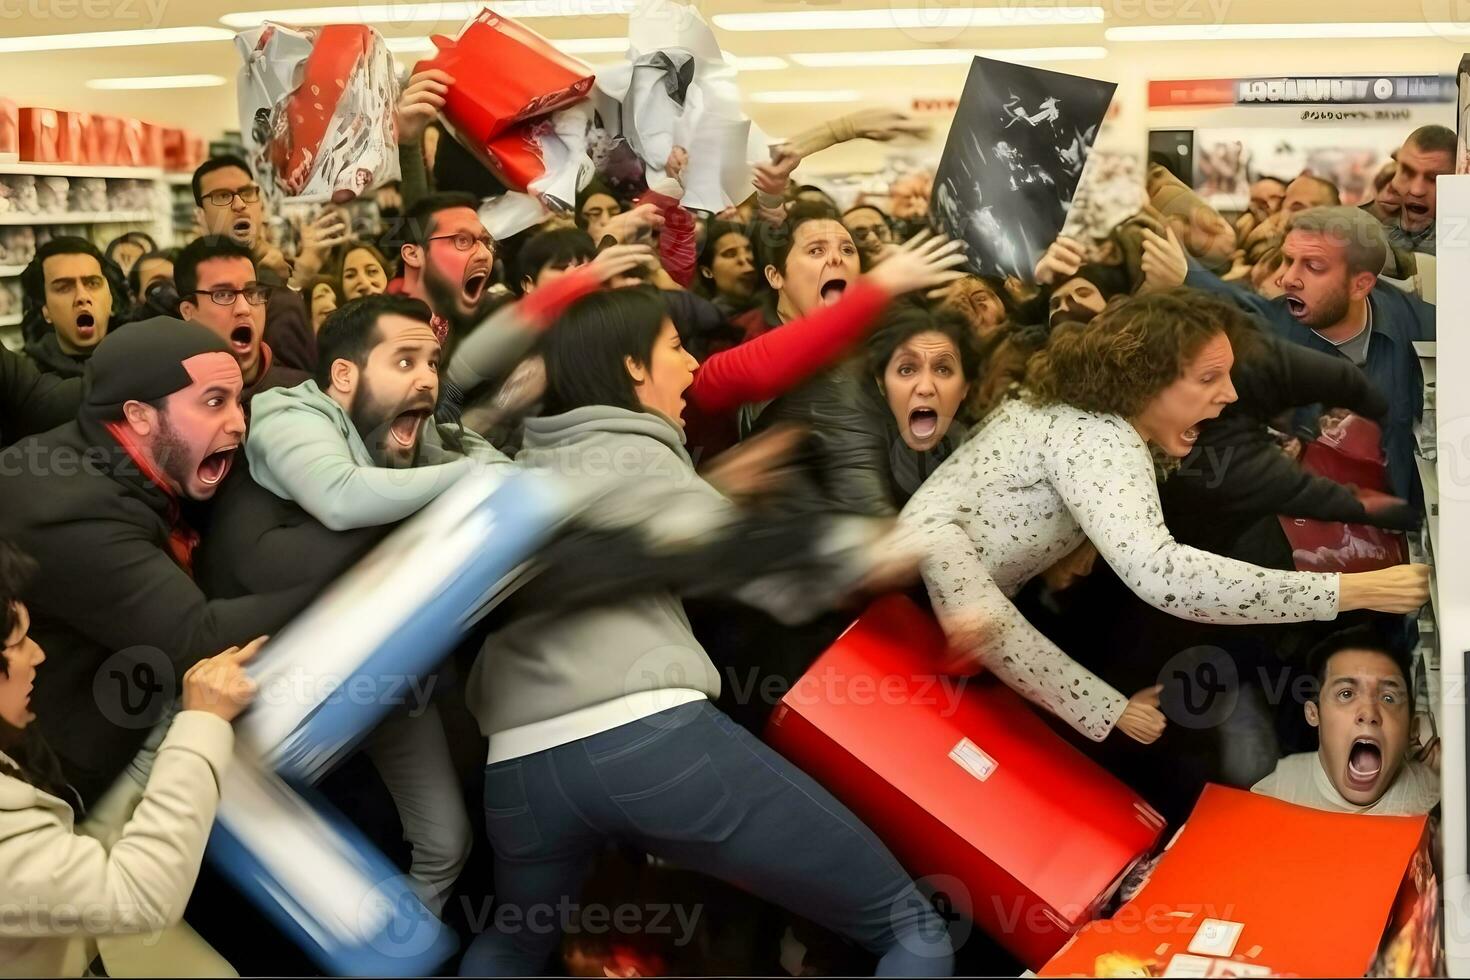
x=1301, y=90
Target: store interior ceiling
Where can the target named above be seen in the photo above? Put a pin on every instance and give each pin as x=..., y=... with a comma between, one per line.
x=797, y=60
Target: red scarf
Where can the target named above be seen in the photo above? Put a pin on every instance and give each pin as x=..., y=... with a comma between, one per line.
x=182, y=539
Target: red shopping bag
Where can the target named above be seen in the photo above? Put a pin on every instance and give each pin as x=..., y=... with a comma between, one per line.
x=1348, y=452
x=971, y=790
x=504, y=74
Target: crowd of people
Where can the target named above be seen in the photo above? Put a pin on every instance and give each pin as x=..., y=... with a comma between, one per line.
x=811, y=405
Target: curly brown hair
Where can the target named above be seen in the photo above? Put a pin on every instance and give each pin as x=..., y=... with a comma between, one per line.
x=1133, y=350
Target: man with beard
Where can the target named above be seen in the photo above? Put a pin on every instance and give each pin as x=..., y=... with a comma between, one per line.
x=230, y=205
x=448, y=258
x=1363, y=710
x=101, y=503
x=1428, y=152
x=218, y=288
x=66, y=283
x=1333, y=301
x=334, y=463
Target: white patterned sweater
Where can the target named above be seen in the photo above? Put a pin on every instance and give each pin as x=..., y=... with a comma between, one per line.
x=1021, y=494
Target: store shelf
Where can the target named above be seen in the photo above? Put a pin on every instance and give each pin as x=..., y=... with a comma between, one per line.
x=79, y=218
x=11, y=271
x=78, y=170
x=179, y=180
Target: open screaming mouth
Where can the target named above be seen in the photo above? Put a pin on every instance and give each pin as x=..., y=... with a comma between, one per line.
x=241, y=338
x=923, y=422
x=405, y=428
x=216, y=465
x=475, y=285
x=1295, y=306
x=86, y=324
x=1365, y=763
x=832, y=291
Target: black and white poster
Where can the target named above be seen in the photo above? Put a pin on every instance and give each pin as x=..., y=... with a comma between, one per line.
x=1014, y=156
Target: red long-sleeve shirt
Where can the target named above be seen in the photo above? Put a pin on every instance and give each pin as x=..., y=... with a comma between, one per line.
x=677, y=251
x=773, y=363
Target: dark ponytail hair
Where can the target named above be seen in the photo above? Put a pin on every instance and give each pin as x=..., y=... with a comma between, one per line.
x=35, y=763
x=584, y=352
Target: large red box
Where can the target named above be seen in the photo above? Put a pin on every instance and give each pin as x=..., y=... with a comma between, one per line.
x=504, y=74
x=1313, y=894
x=961, y=779
x=49, y=136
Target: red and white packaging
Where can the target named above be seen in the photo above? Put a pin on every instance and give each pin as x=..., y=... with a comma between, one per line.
x=9, y=130
x=504, y=74
x=317, y=110
x=1349, y=452
x=973, y=792
x=49, y=136
x=1253, y=886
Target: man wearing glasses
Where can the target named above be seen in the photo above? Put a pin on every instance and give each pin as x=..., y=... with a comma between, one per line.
x=448, y=261
x=231, y=204
x=219, y=289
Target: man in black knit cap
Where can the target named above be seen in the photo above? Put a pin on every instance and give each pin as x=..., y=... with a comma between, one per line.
x=102, y=503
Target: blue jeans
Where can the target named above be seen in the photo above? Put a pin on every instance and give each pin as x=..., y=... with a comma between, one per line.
x=692, y=787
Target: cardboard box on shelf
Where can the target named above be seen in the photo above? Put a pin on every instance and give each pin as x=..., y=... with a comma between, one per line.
x=9, y=130
x=973, y=792
x=1253, y=886
x=49, y=136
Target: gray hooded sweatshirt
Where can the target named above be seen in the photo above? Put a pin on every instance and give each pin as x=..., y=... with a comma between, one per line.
x=625, y=469
x=303, y=447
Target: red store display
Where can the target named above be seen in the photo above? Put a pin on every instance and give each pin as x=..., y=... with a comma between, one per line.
x=962, y=779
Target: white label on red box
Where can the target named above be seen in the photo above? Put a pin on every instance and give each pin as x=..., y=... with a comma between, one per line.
x=1184, y=965
x=973, y=759
x=1216, y=937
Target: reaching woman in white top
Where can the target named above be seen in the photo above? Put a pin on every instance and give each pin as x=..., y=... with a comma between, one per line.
x=63, y=891
x=1070, y=459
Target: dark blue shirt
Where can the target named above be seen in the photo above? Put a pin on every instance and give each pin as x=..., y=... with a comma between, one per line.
x=1398, y=319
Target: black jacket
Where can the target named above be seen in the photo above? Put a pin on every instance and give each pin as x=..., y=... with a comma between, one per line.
x=48, y=355
x=287, y=326
x=854, y=459
x=32, y=400
x=119, y=617
x=255, y=542
x=1237, y=474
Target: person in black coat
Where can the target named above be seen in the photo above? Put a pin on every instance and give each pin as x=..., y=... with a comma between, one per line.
x=1228, y=492
x=881, y=422
x=101, y=503
x=32, y=400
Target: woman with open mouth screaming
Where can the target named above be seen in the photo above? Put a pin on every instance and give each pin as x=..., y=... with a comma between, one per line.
x=1071, y=460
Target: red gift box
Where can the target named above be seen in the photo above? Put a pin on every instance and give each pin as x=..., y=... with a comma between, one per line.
x=1253, y=886
x=962, y=779
x=49, y=136
x=504, y=74
x=1347, y=452
x=9, y=129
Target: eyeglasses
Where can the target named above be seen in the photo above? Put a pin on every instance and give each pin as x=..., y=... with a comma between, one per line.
x=464, y=241
x=222, y=198
x=255, y=293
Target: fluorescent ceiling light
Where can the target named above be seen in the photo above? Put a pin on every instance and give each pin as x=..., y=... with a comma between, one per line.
x=910, y=18
x=759, y=62
x=941, y=56
x=1286, y=32
x=156, y=81
x=814, y=95
x=112, y=39
x=379, y=14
